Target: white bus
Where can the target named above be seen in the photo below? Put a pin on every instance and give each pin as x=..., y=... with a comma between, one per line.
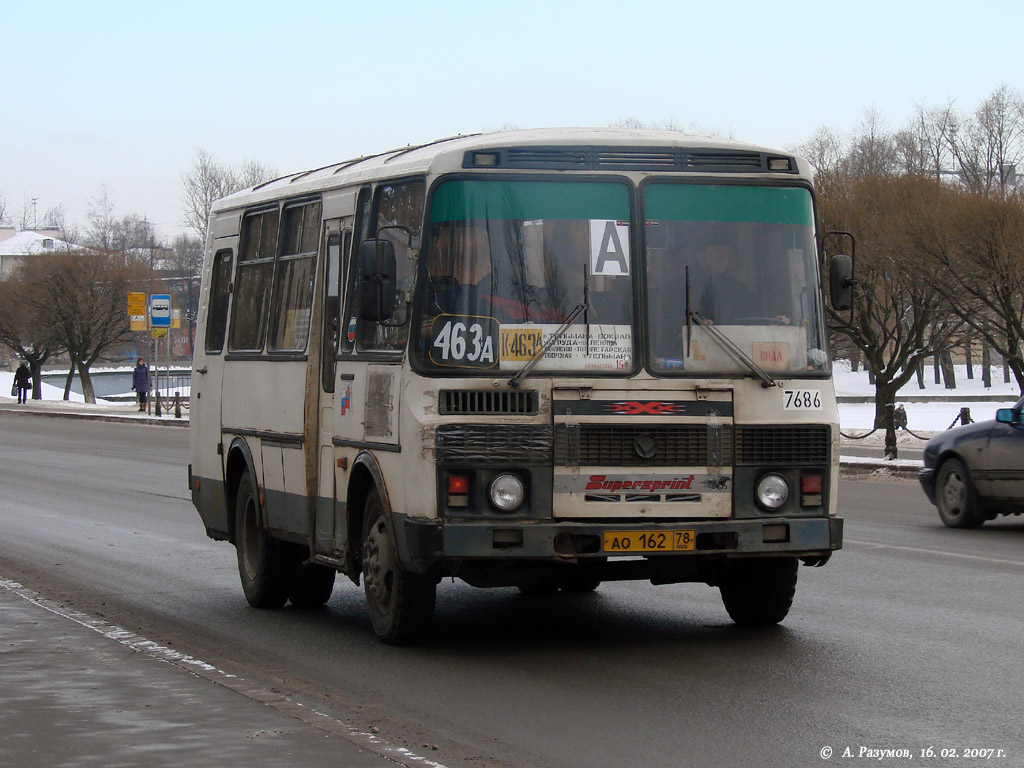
x=539, y=359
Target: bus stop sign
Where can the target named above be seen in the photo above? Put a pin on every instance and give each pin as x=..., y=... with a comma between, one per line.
x=160, y=310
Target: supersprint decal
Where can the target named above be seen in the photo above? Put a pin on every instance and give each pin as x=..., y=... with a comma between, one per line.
x=647, y=484
x=643, y=407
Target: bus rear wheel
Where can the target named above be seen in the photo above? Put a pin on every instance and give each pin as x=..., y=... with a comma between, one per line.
x=264, y=566
x=400, y=603
x=759, y=591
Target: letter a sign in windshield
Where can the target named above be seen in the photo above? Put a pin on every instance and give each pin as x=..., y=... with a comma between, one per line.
x=609, y=247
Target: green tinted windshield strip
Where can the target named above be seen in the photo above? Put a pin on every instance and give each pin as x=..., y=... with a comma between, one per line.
x=728, y=202
x=526, y=200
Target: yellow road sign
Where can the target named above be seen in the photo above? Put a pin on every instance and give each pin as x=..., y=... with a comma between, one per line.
x=136, y=303
x=158, y=333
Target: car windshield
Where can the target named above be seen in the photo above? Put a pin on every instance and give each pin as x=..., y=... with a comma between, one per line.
x=506, y=263
x=741, y=259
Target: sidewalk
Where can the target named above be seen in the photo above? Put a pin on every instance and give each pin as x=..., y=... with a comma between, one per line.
x=75, y=691
x=104, y=411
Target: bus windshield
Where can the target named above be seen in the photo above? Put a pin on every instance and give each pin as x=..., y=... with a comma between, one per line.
x=506, y=263
x=741, y=259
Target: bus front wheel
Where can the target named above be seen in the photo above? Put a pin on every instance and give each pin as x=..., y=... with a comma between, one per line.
x=759, y=591
x=400, y=603
x=263, y=565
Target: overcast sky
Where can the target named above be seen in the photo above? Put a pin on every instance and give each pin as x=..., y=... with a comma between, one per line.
x=121, y=93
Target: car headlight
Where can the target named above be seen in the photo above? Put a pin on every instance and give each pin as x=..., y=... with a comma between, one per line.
x=772, y=491
x=506, y=492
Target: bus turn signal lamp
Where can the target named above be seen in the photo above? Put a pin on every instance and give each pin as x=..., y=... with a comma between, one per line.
x=458, y=490
x=810, y=490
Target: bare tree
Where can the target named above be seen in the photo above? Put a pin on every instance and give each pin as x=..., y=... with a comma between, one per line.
x=186, y=264
x=921, y=147
x=899, y=319
x=209, y=180
x=84, y=294
x=25, y=326
x=976, y=260
x=102, y=222
x=825, y=151
x=987, y=145
x=872, y=149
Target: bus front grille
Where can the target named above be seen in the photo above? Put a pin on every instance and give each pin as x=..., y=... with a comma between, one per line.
x=783, y=445
x=677, y=445
x=459, y=402
x=690, y=445
x=491, y=444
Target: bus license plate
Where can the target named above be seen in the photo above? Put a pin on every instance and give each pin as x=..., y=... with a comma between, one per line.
x=650, y=541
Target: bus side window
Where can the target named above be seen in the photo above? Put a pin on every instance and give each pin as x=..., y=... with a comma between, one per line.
x=349, y=323
x=252, y=283
x=293, y=285
x=399, y=209
x=217, y=314
x=332, y=307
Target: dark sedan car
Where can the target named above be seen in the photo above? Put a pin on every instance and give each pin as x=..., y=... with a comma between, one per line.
x=975, y=472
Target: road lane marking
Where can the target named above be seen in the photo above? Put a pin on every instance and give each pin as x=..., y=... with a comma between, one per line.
x=199, y=668
x=922, y=550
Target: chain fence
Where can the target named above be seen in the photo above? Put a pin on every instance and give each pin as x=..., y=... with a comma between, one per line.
x=963, y=417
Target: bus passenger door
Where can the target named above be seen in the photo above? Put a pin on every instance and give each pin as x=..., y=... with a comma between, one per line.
x=206, y=450
x=330, y=495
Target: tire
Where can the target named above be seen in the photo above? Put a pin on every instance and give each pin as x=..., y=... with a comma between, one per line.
x=759, y=592
x=955, y=496
x=311, y=586
x=263, y=564
x=579, y=586
x=400, y=603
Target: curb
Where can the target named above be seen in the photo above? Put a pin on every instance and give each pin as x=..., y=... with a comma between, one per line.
x=879, y=468
x=145, y=420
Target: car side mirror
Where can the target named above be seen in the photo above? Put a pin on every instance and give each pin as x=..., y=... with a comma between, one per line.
x=1006, y=416
x=376, y=279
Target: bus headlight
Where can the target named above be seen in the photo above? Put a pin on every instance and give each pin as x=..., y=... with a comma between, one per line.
x=772, y=491
x=506, y=492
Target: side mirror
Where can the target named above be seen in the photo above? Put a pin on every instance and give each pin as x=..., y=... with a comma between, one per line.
x=376, y=290
x=841, y=282
x=1006, y=416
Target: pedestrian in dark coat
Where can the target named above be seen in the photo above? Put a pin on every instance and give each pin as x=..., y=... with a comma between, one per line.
x=22, y=380
x=900, y=417
x=140, y=382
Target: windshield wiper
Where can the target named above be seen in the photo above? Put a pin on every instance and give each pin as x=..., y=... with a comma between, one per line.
x=730, y=346
x=516, y=380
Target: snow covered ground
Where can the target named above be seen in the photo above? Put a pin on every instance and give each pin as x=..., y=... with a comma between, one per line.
x=854, y=417
x=53, y=393
x=923, y=417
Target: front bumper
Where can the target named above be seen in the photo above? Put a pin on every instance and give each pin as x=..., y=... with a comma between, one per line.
x=425, y=542
x=927, y=478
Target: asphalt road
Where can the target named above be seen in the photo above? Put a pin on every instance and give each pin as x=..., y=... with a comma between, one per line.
x=908, y=640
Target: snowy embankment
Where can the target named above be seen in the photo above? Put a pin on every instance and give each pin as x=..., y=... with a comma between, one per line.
x=52, y=393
